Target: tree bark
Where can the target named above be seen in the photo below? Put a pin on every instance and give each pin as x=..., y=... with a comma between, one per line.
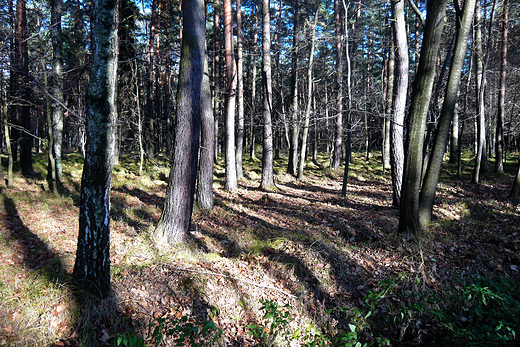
x=388, y=99
x=431, y=178
x=499, y=141
x=230, y=99
x=267, y=145
x=399, y=100
x=240, y=94
x=338, y=136
x=175, y=220
x=420, y=102
x=295, y=110
x=92, y=266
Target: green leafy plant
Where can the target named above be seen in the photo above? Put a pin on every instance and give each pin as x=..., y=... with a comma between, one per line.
x=276, y=321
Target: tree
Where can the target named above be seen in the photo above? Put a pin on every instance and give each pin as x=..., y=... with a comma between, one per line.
x=230, y=99
x=499, y=141
x=431, y=177
x=294, y=120
x=420, y=102
x=338, y=139
x=92, y=266
x=175, y=219
x=399, y=99
x=267, y=145
x=240, y=93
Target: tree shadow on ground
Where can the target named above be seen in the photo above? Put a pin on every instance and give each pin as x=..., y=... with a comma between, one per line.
x=38, y=257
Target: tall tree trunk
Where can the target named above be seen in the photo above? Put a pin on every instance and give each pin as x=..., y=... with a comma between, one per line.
x=420, y=102
x=215, y=74
x=267, y=145
x=499, y=142
x=388, y=99
x=482, y=62
x=206, y=162
x=240, y=94
x=252, y=151
x=23, y=89
x=309, y=98
x=338, y=138
x=349, y=115
x=431, y=178
x=399, y=100
x=57, y=84
x=294, y=120
x=230, y=99
x=175, y=220
x=92, y=266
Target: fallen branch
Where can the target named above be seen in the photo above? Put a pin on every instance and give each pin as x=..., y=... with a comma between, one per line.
x=217, y=274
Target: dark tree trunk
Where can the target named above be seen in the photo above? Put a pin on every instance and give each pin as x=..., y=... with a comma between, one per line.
x=23, y=91
x=175, y=219
x=267, y=145
x=92, y=267
x=420, y=102
x=431, y=178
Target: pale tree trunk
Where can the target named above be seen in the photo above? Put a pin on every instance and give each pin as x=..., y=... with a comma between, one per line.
x=294, y=120
x=515, y=190
x=482, y=62
x=92, y=266
x=388, y=98
x=349, y=95
x=57, y=84
x=175, y=220
x=499, y=142
x=338, y=138
x=433, y=170
x=230, y=99
x=267, y=145
x=215, y=74
x=309, y=98
x=252, y=151
x=399, y=100
x=420, y=102
x=240, y=94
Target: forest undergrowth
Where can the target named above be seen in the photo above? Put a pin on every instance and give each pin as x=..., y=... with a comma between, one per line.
x=297, y=266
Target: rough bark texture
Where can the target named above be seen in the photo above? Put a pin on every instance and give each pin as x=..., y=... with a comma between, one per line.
x=175, y=219
x=431, y=178
x=267, y=145
x=205, y=181
x=422, y=90
x=240, y=94
x=399, y=100
x=92, y=267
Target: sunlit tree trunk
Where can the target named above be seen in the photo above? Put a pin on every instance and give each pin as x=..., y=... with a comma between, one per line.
x=420, y=102
x=267, y=145
x=398, y=100
x=240, y=94
x=230, y=99
x=338, y=137
x=388, y=98
x=92, y=266
x=175, y=220
x=295, y=110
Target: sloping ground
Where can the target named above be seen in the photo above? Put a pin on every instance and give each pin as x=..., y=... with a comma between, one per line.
x=328, y=262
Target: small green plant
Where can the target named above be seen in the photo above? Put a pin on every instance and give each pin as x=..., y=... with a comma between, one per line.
x=276, y=321
x=182, y=331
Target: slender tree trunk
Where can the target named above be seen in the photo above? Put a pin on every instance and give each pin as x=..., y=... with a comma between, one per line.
x=399, y=100
x=253, y=84
x=267, y=145
x=92, y=266
x=338, y=139
x=420, y=102
x=230, y=99
x=23, y=92
x=499, y=141
x=515, y=190
x=454, y=141
x=57, y=85
x=294, y=120
x=215, y=74
x=309, y=98
x=240, y=94
x=431, y=178
x=349, y=115
x=175, y=220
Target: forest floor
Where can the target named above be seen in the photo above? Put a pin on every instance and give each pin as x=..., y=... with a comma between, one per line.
x=299, y=266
